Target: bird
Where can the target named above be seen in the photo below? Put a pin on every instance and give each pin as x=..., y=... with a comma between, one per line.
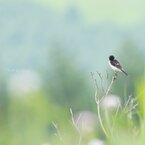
x=115, y=65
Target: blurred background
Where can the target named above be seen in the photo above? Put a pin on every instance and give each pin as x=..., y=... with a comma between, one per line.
x=48, y=49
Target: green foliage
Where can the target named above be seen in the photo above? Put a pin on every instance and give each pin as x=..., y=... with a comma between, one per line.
x=130, y=129
x=141, y=96
x=66, y=81
x=30, y=120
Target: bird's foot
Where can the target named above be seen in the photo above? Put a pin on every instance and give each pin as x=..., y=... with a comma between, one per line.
x=115, y=75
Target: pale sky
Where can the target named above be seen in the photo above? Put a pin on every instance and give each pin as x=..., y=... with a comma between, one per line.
x=124, y=12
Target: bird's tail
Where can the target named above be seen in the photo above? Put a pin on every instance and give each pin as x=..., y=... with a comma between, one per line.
x=124, y=72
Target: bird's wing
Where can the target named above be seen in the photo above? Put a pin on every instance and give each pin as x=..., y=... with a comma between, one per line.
x=116, y=64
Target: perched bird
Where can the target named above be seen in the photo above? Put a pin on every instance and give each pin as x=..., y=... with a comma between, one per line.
x=115, y=65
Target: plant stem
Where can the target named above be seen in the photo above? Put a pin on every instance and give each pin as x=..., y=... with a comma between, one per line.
x=100, y=119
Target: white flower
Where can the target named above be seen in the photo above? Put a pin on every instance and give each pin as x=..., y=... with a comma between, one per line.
x=86, y=121
x=46, y=144
x=96, y=142
x=111, y=102
x=23, y=82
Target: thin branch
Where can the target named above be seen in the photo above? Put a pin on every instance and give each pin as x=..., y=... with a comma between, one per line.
x=116, y=113
x=109, y=87
x=75, y=125
x=95, y=81
x=100, y=119
x=107, y=75
x=80, y=115
x=133, y=107
x=98, y=101
x=98, y=108
x=101, y=79
x=128, y=101
x=96, y=87
x=58, y=132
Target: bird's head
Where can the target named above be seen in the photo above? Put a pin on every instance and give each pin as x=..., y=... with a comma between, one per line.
x=111, y=57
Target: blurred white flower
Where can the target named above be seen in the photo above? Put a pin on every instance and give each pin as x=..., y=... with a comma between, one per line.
x=96, y=142
x=86, y=121
x=23, y=82
x=46, y=144
x=111, y=102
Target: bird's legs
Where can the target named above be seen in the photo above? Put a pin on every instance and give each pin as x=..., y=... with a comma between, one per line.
x=115, y=75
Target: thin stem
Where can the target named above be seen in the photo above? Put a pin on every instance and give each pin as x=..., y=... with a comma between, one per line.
x=128, y=101
x=99, y=101
x=133, y=107
x=75, y=125
x=117, y=110
x=100, y=119
x=58, y=133
x=96, y=88
x=109, y=87
x=101, y=80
